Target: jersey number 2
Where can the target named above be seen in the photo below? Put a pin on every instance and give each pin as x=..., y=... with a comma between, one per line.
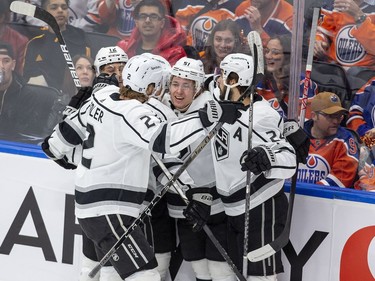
x=87, y=144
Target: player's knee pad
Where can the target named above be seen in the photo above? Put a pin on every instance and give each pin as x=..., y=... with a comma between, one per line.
x=163, y=264
x=144, y=275
x=109, y=273
x=262, y=278
x=201, y=269
x=221, y=271
x=86, y=266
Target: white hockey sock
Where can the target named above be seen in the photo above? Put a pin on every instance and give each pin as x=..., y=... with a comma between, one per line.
x=109, y=273
x=163, y=264
x=201, y=269
x=262, y=278
x=144, y=275
x=221, y=271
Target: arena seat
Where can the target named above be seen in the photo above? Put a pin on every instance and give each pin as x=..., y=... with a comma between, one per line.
x=332, y=78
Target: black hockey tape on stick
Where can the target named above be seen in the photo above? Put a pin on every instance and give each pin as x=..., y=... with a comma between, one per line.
x=28, y=9
x=206, y=229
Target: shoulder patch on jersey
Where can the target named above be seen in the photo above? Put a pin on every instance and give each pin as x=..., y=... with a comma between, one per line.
x=221, y=145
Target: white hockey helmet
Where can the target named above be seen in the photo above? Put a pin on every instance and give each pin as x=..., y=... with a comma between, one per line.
x=242, y=65
x=107, y=55
x=141, y=71
x=166, y=68
x=190, y=69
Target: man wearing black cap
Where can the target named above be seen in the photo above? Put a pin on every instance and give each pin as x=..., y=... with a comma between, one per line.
x=333, y=154
x=18, y=108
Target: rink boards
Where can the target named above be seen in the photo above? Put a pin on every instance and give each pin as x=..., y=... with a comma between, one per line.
x=332, y=235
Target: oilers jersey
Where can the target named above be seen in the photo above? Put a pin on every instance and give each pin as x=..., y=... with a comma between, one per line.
x=361, y=111
x=332, y=161
x=279, y=22
x=350, y=45
x=199, y=28
x=118, y=136
x=230, y=143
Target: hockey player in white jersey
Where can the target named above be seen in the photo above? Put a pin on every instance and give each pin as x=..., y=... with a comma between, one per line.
x=109, y=63
x=271, y=160
x=186, y=97
x=118, y=133
x=164, y=231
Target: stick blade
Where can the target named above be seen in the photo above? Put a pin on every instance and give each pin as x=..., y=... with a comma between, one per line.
x=261, y=253
x=254, y=41
x=23, y=8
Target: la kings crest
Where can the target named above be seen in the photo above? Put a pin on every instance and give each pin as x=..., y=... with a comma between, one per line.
x=221, y=144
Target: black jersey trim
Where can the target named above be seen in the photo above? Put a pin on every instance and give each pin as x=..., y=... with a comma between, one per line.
x=109, y=194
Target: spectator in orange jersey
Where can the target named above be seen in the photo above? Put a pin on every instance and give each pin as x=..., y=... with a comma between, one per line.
x=361, y=120
x=333, y=154
x=199, y=17
x=155, y=32
x=346, y=35
x=268, y=17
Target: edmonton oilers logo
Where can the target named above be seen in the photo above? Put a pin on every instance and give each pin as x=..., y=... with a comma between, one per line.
x=201, y=29
x=125, y=21
x=334, y=99
x=348, y=49
x=314, y=170
x=127, y=4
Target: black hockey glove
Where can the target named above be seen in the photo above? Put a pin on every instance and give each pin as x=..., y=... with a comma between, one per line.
x=63, y=162
x=222, y=111
x=103, y=80
x=76, y=101
x=258, y=159
x=198, y=210
x=298, y=138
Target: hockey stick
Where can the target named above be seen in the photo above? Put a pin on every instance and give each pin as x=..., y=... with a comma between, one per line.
x=276, y=245
x=310, y=56
x=155, y=200
x=206, y=229
x=255, y=44
x=36, y=12
x=162, y=192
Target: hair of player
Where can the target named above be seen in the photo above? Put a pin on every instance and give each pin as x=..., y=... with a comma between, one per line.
x=153, y=3
x=129, y=93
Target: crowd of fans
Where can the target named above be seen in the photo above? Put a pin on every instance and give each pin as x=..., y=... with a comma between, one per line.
x=205, y=30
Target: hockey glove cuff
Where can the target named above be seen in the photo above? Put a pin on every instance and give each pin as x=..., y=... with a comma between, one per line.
x=76, y=101
x=298, y=138
x=223, y=111
x=198, y=210
x=63, y=162
x=258, y=159
x=104, y=80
